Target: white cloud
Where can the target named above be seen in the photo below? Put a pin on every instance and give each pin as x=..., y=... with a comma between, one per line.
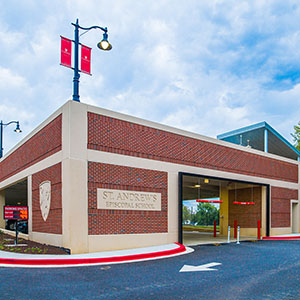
x=206, y=66
x=10, y=40
x=10, y=80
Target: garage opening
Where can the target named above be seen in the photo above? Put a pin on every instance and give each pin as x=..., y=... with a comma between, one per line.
x=295, y=217
x=14, y=195
x=208, y=206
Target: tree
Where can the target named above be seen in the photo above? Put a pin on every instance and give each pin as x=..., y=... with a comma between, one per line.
x=186, y=215
x=206, y=214
x=296, y=136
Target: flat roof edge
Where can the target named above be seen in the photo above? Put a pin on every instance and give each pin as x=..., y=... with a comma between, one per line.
x=284, y=140
x=241, y=130
x=258, y=126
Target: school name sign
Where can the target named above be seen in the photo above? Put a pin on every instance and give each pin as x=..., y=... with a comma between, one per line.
x=128, y=200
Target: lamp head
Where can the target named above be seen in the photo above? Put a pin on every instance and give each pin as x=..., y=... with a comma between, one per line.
x=18, y=129
x=104, y=44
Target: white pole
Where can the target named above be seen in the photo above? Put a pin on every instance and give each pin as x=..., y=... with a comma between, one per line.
x=228, y=240
x=238, y=236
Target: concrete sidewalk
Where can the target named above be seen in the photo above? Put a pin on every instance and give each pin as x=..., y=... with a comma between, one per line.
x=9, y=259
x=194, y=238
x=292, y=236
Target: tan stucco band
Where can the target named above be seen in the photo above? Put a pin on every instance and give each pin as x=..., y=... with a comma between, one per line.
x=128, y=241
x=47, y=238
x=279, y=231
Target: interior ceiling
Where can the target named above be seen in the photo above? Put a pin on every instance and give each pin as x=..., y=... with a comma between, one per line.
x=209, y=188
x=16, y=194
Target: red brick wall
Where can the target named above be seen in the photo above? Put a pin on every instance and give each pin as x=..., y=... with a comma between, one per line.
x=122, y=137
x=281, y=206
x=108, y=176
x=53, y=224
x=246, y=215
x=43, y=144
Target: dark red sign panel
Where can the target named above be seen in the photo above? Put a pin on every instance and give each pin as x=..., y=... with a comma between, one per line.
x=66, y=52
x=86, y=59
x=16, y=212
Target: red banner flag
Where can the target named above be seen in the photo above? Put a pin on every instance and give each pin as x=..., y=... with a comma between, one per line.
x=66, y=51
x=86, y=59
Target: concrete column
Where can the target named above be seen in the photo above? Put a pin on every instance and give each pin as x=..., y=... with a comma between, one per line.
x=224, y=211
x=2, y=203
x=74, y=178
x=263, y=211
x=29, y=203
x=294, y=216
x=172, y=207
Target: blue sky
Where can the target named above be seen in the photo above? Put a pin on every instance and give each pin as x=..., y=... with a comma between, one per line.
x=207, y=66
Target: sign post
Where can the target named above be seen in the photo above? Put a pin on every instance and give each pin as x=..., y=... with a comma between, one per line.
x=16, y=213
x=16, y=240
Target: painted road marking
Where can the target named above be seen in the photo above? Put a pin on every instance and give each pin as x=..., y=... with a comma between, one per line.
x=206, y=267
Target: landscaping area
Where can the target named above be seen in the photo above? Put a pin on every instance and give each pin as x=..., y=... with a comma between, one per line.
x=208, y=228
x=7, y=243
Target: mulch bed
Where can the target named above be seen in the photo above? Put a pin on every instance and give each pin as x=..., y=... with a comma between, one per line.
x=31, y=248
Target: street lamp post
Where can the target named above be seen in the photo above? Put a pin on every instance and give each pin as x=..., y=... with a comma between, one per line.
x=1, y=133
x=103, y=45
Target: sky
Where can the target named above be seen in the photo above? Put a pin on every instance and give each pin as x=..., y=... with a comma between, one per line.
x=206, y=66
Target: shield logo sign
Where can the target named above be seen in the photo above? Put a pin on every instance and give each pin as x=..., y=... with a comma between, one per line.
x=45, y=198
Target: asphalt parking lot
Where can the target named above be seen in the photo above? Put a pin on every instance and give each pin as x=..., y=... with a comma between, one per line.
x=251, y=270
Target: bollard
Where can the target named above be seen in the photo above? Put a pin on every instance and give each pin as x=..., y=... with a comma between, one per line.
x=238, y=235
x=258, y=229
x=235, y=229
x=215, y=228
x=228, y=240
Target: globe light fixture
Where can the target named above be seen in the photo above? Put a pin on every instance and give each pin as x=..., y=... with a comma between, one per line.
x=104, y=44
x=18, y=129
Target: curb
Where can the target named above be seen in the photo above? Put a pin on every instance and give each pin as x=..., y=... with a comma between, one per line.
x=281, y=238
x=88, y=261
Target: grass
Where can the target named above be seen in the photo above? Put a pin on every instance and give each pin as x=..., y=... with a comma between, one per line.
x=31, y=247
x=4, y=240
x=199, y=227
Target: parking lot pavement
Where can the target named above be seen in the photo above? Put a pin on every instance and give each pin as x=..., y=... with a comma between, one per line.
x=251, y=270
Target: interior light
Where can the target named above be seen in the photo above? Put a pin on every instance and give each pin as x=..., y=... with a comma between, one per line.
x=206, y=180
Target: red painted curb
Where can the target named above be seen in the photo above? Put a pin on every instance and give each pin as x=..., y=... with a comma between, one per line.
x=70, y=261
x=281, y=238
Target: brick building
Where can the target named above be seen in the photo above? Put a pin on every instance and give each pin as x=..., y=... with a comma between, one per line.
x=113, y=181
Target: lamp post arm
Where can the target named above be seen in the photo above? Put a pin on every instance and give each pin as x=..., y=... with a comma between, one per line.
x=1, y=133
x=2, y=124
x=89, y=28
